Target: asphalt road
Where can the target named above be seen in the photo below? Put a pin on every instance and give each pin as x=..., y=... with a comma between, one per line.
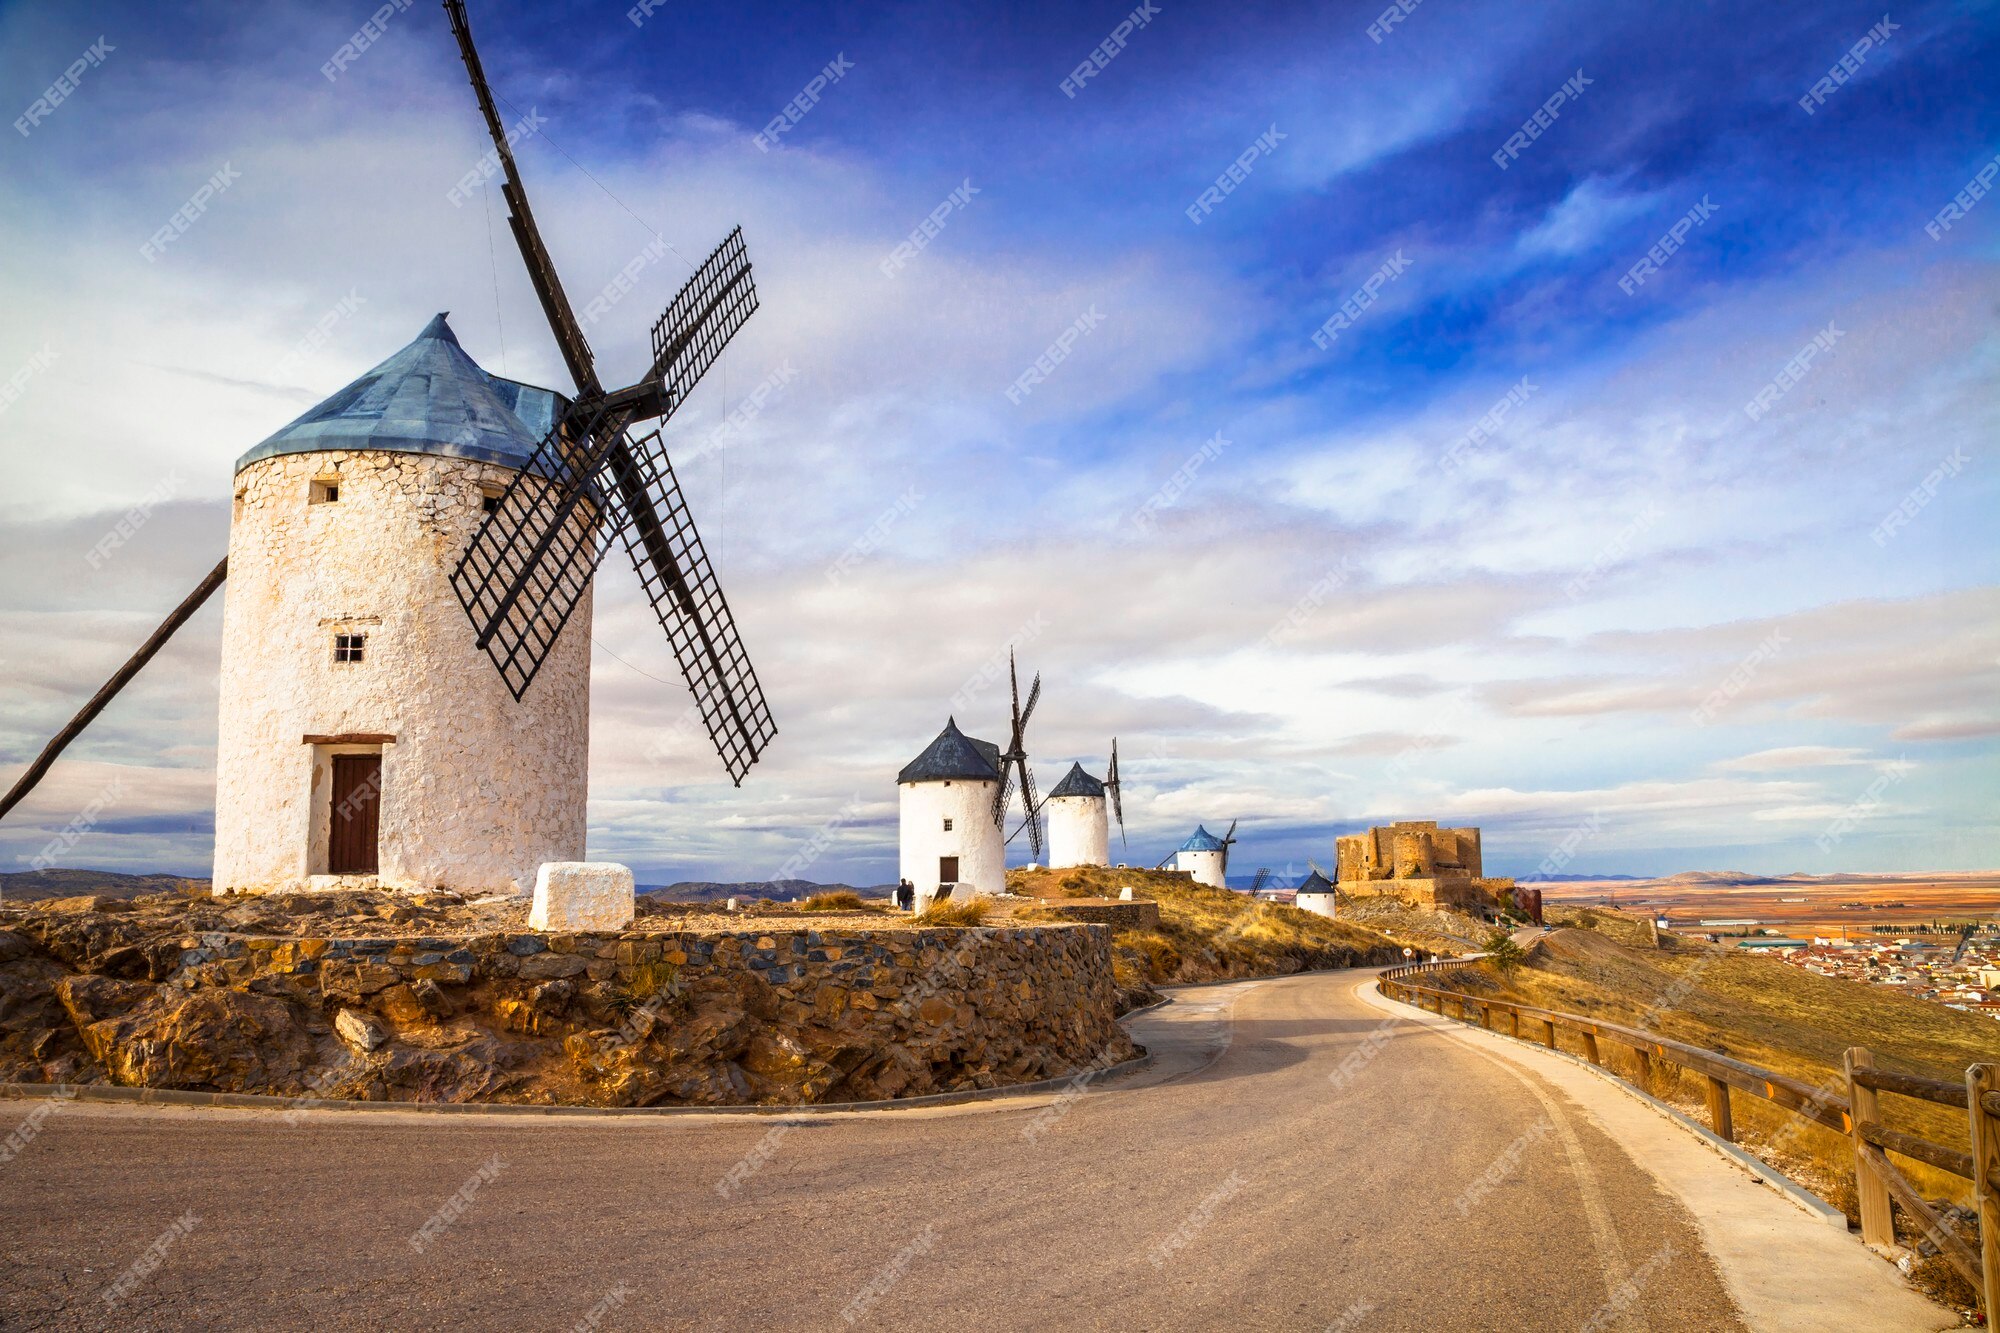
x=1327, y=1170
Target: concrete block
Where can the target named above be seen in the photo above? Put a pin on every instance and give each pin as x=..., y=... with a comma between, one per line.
x=582, y=895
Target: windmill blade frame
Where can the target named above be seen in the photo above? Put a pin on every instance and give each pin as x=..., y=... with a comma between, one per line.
x=1117, y=803
x=689, y=603
x=575, y=348
x=1029, y=804
x=589, y=483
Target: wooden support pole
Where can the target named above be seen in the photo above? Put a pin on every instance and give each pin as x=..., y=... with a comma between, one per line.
x=1718, y=1110
x=119, y=679
x=1878, y=1222
x=1645, y=1058
x=1979, y=1080
x=1590, y=1048
x=1549, y=1032
x=1516, y=1015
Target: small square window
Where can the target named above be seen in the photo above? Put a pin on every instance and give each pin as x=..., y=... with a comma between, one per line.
x=326, y=492
x=947, y=826
x=490, y=503
x=349, y=647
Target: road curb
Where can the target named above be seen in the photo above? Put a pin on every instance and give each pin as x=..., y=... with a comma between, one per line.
x=107, y=1094
x=1777, y=1180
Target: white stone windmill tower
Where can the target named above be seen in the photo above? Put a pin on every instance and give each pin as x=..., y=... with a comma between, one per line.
x=949, y=833
x=1079, y=823
x=363, y=742
x=1206, y=856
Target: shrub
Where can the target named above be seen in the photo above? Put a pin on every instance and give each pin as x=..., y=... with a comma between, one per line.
x=841, y=900
x=948, y=913
x=1503, y=953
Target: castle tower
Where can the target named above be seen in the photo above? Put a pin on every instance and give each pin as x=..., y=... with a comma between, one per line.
x=1413, y=850
x=1205, y=856
x=948, y=834
x=364, y=739
x=1079, y=827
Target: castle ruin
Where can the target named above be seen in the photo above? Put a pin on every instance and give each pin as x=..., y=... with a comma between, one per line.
x=1422, y=864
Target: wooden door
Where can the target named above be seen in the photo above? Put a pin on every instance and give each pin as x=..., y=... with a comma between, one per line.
x=357, y=809
x=947, y=870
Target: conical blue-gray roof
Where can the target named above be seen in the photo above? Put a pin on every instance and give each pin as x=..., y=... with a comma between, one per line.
x=1076, y=782
x=954, y=756
x=1202, y=841
x=429, y=398
x=1315, y=883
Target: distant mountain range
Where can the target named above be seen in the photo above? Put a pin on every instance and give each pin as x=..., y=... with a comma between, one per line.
x=37, y=885
x=778, y=890
x=30, y=886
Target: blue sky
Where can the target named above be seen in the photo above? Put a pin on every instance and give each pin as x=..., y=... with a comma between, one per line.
x=1323, y=624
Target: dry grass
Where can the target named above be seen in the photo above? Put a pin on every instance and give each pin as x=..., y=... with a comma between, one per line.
x=1209, y=934
x=1763, y=1012
x=841, y=900
x=948, y=913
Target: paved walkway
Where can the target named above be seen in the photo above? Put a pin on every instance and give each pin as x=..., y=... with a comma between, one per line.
x=1295, y=1159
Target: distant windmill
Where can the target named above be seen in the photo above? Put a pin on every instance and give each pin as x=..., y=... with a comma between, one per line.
x=1205, y=856
x=1014, y=764
x=1263, y=877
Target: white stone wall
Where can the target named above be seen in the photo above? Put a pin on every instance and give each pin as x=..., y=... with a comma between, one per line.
x=1206, y=866
x=973, y=838
x=1079, y=831
x=477, y=790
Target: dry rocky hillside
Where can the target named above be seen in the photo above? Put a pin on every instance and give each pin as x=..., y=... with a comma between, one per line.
x=1209, y=934
x=367, y=997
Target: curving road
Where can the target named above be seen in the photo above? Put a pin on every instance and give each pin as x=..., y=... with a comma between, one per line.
x=1292, y=1161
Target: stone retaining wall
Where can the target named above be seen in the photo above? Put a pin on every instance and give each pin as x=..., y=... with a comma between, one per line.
x=628, y=1018
x=1138, y=915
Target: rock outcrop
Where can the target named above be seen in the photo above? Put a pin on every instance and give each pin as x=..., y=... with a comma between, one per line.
x=104, y=992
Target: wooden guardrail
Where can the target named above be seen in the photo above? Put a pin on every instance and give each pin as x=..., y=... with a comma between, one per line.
x=1854, y=1111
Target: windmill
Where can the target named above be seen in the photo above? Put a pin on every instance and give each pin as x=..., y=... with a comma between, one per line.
x=346, y=664
x=532, y=559
x=1111, y=789
x=1205, y=856
x=1014, y=764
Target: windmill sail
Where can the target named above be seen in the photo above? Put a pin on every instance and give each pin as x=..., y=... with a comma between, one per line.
x=532, y=559
x=692, y=610
x=1014, y=764
x=1117, y=803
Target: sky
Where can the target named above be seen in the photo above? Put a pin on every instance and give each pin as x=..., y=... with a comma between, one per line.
x=1574, y=420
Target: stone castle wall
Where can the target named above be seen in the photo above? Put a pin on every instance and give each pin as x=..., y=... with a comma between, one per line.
x=478, y=789
x=631, y=1018
x=1413, y=849
x=1421, y=864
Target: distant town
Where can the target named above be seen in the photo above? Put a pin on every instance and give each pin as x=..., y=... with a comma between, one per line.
x=1960, y=970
